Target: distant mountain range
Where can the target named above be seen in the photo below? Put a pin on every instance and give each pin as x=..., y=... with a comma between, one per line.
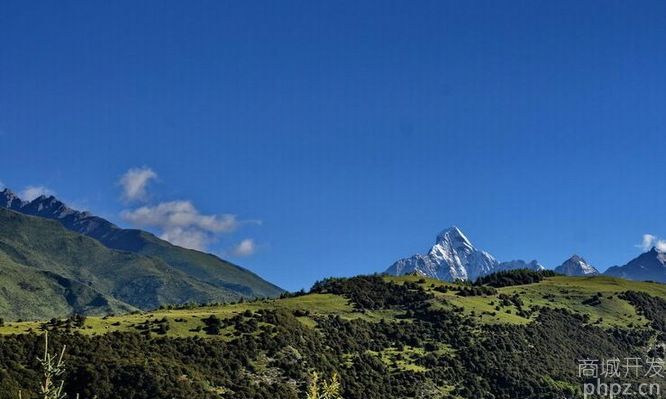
x=650, y=266
x=453, y=257
x=55, y=260
x=576, y=266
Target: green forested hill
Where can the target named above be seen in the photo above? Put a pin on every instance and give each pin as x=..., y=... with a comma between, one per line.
x=29, y=293
x=388, y=337
x=203, y=266
x=47, y=271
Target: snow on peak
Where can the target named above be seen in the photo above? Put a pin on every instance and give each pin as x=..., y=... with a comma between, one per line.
x=453, y=235
x=576, y=266
x=454, y=257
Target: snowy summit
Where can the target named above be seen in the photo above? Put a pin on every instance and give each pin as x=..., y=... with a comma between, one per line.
x=453, y=257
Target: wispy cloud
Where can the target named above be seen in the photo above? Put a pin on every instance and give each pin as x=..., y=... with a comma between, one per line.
x=651, y=241
x=244, y=248
x=135, y=183
x=31, y=192
x=191, y=238
x=181, y=223
x=180, y=214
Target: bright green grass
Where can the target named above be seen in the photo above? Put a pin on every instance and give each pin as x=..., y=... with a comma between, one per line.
x=402, y=360
x=554, y=292
x=571, y=292
x=182, y=322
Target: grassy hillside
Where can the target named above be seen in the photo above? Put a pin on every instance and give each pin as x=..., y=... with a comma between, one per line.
x=239, y=281
x=568, y=293
x=388, y=337
x=51, y=271
x=208, y=267
x=200, y=265
x=574, y=294
x=33, y=294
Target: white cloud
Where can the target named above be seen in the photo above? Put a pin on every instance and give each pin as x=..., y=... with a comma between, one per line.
x=135, y=182
x=181, y=214
x=178, y=222
x=181, y=223
x=188, y=238
x=246, y=247
x=31, y=192
x=648, y=240
x=651, y=241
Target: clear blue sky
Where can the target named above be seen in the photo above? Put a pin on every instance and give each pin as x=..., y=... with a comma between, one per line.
x=355, y=131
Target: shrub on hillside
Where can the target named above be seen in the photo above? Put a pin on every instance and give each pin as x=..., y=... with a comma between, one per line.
x=373, y=292
x=508, y=278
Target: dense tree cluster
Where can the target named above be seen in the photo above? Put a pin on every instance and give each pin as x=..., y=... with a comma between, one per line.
x=480, y=290
x=372, y=292
x=514, y=277
x=653, y=308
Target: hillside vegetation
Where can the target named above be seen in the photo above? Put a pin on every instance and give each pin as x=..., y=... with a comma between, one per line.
x=48, y=271
x=387, y=337
x=230, y=280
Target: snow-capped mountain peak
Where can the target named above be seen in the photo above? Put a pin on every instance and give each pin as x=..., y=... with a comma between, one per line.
x=576, y=266
x=451, y=242
x=453, y=257
x=453, y=236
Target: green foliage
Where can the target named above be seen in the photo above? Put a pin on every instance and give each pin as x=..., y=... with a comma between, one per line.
x=477, y=291
x=653, y=308
x=213, y=325
x=514, y=277
x=225, y=276
x=372, y=292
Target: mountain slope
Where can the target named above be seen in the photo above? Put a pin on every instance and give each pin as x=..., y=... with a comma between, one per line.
x=576, y=266
x=28, y=293
x=38, y=255
x=453, y=257
x=649, y=266
x=202, y=266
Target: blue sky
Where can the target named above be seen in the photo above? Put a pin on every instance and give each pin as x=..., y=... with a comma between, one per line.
x=344, y=135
